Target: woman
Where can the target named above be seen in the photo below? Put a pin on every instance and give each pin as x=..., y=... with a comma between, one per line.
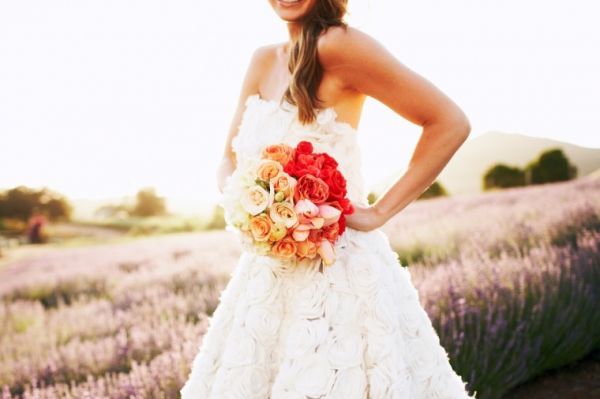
x=355, y=328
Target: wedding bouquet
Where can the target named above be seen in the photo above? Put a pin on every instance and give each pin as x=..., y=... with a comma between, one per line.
x=290, y=202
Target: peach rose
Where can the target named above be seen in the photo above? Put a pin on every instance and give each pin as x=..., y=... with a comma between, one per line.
x=281, y=153
x=329, y=213
x=284, y=183
x=301, y=232
x=307, y=208
x=327, y=252
x=260, y=227
x=306, y=249
x=268, y=169
x=285, y=248
x=283, y=212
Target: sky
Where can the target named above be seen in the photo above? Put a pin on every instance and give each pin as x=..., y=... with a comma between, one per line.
x=101, y=98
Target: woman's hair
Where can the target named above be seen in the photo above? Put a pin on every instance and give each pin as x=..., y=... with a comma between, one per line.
x=304, y=65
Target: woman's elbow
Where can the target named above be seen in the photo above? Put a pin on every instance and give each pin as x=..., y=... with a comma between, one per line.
x=460, y=125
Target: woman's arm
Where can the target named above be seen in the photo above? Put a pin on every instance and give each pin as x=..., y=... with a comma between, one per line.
x=249, y=86
x=365, y=66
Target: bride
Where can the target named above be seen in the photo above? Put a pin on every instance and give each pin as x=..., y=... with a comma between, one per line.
x=354, y=328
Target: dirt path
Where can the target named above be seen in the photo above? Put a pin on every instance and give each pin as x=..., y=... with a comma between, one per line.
x=578, y=381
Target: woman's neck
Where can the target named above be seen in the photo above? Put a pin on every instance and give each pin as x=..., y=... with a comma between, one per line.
x=294, y=29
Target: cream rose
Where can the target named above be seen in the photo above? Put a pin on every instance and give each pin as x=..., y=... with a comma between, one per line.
x=384, y=311
x=261, y=322
x=363, y=275
x=278, y=231
x=250, y=382
x=303, y=336
x=261, y=284
x=255, y=199
x=351, y=382
x=243, y=352
x=283, y=212
x=310, y=300
x=345, y=348
x=381, y=346
x=347, y=309
x=315, y=376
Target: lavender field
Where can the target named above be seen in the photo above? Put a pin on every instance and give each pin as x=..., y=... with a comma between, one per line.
x=510, y=279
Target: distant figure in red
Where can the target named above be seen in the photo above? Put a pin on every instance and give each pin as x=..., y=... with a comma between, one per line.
x=35, y=227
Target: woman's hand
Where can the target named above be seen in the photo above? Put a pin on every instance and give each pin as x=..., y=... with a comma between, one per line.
x=364, y=218
x=226, y=168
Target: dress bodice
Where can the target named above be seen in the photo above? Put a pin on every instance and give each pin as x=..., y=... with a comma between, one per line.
x=266, y=122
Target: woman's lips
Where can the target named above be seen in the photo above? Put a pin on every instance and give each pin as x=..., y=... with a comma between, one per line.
x=287, y=3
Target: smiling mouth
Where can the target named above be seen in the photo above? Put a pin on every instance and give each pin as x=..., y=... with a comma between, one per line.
x=289, y=2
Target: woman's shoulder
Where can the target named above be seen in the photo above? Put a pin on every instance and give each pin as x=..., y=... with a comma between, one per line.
x=341, y=44
x=266, y=52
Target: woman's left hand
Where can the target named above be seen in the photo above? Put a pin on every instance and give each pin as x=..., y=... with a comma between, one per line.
x=364, y=218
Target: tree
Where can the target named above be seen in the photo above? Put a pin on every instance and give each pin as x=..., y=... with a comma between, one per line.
x=551, y=166
x=434, y=190
x=148, y=204
x=503, y=176
x=371, y=198
x=20, y=203
x=217, y=220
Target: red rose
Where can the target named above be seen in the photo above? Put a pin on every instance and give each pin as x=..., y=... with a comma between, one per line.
x=337, y=185
x=347, y=207
x=331, y=232
x=305, y=164
x=329, y=161
x=315, y=235
x=325, y=174
x=341, y=225
x=304, y=147
x=312, y=188
x=290, y=168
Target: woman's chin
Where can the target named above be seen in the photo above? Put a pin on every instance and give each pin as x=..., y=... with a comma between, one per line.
x=291, y=11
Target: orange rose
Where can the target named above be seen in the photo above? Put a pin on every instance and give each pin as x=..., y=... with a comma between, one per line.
x=281, y=153
x=260, y=227
x=306, y=249
x=312, y=188
x=285, y=248
x=268, y=169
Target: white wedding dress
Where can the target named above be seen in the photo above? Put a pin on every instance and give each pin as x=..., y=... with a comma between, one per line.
x=353, y=330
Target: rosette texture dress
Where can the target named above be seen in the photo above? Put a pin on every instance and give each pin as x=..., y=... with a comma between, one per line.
x=351, y=330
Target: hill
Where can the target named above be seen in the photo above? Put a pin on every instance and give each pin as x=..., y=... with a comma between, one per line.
x=464, y=172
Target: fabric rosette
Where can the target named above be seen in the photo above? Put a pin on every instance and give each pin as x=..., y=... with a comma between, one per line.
x=289, y=203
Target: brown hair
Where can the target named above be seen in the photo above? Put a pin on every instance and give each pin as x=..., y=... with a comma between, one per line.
x=304, y=65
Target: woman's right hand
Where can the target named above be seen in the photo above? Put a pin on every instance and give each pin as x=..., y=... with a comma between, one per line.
x=225, y=170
